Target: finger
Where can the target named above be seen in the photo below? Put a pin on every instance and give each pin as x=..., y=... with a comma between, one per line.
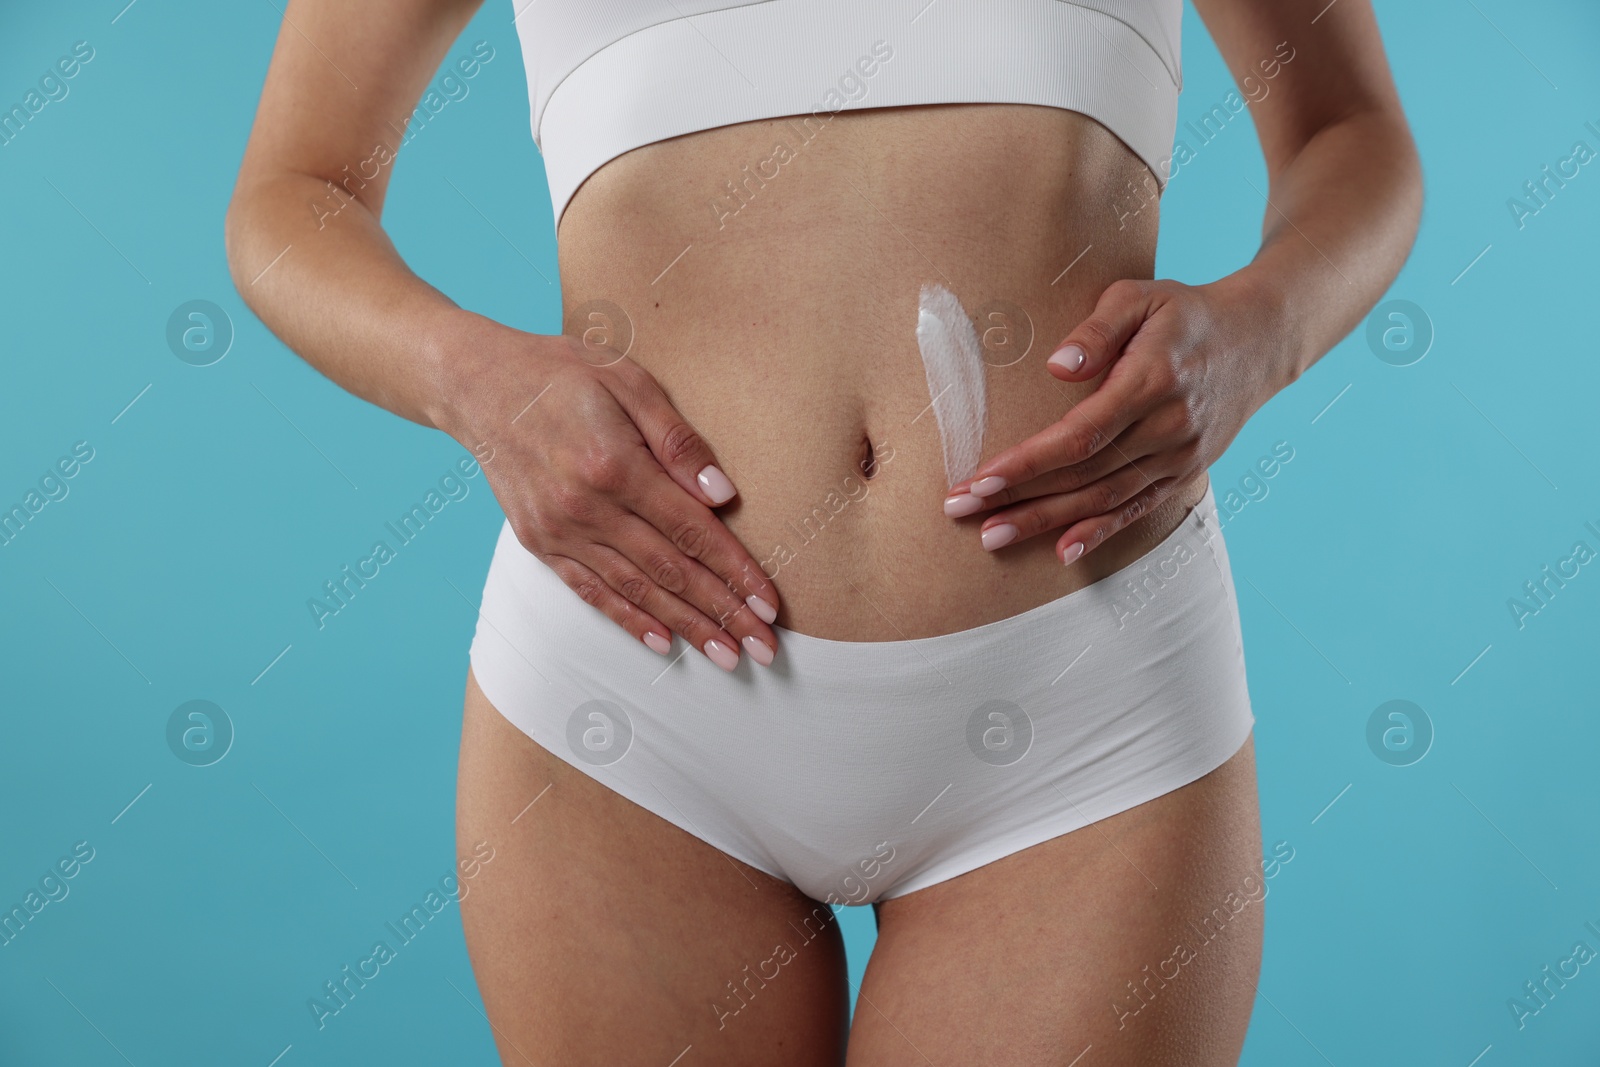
x=1080, y=434
x=698, y=533
x=1129, y=448
x=1034, y=517
x=594, y=590
x=642, y=590
x=690, y=581
x=1089, y=534
x=1096, y=341
x=677, y=446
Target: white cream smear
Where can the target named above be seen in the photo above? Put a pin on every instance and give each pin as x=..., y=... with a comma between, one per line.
x=953, y=360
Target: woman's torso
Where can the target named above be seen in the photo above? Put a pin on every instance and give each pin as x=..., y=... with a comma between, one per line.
x=782, y=324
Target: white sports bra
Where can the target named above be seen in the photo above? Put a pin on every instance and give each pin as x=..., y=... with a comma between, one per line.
x=607, y=76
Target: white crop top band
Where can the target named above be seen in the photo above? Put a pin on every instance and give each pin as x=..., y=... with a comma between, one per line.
x=607, y=76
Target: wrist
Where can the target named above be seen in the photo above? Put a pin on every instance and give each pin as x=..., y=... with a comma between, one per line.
x=1261, y=305
x=464, y=350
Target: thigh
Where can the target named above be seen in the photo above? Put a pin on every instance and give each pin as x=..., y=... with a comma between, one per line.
x=600, y=933
x=1134, y=941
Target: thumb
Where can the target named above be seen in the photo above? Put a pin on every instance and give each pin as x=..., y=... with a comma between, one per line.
x=1099, y=339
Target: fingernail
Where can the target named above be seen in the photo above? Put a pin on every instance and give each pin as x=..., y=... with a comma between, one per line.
x=716, y=485
x=759, y=651
x=959, y=505
x=721, y=655
x=764, y=611
x=658, y=643
x=987, y=486
x=1073, y=551
x=1068, y=358
x=999, y=536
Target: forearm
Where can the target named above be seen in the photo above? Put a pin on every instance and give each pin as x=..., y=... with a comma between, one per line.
x=1340, y=221
x=336, y=291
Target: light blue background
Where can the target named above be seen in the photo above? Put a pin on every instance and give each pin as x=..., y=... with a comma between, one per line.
x=1378, y=567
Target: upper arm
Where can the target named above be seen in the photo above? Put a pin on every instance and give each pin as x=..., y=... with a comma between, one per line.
x=1336, y=66
x=344, y=78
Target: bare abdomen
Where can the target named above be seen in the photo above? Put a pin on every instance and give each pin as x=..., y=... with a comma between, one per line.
x=779, y=313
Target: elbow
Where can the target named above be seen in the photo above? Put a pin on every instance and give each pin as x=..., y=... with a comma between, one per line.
x=1408, y=189
x=1381, y=134
x=1405, y=168
x=1415, y=190
x=237, y=234
x=232, y=236
x=1386, y=133
x=1393, y=175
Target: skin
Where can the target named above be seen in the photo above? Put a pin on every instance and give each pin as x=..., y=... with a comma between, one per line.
x=600, y=932
x=801, y=365
x=1187, y=365
x=602, y=481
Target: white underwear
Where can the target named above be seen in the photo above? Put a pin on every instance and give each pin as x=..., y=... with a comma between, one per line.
x=865, y=770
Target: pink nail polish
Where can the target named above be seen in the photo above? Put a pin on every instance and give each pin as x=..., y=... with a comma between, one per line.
x=721, y=655
x=962, y=504
x=999, y=536
x=658, y=643
x=1073, y=551
x=716, y=485
x=1069, y=358
x=764, y=611
x=758, y=651
x=987, y=486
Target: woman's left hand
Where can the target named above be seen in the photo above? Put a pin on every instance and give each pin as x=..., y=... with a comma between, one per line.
x=1187, y=366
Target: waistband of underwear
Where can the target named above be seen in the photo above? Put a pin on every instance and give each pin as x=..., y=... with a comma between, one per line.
x=1200, y=527
x=530, y=618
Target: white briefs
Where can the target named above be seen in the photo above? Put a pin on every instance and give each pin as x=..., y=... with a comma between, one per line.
x=607, y=76
x=861, y=771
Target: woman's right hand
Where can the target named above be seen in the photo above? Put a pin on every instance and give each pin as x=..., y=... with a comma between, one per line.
x=610, y=487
